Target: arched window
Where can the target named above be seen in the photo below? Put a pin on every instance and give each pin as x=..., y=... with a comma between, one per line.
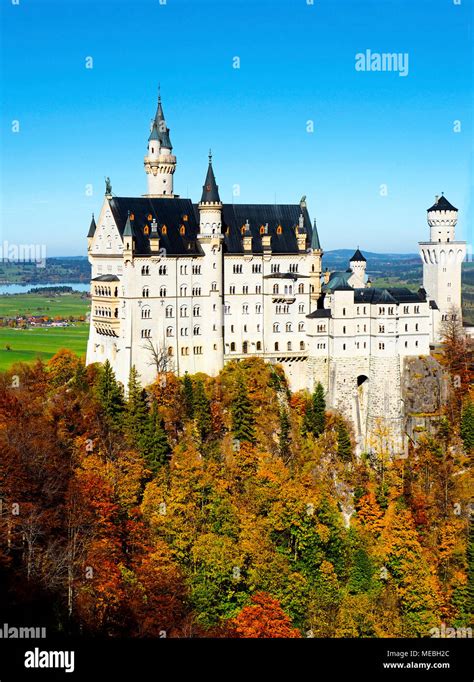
x=275, y=289
x=145, y=292
x=169, y=311
x=162, y=292
x=146, y=312
x=301, y=288
x=259, y=345
x=288, y=345
x=301, y=326
x=196, y=331
x=169, y=331
x=276, y=328
x=183, y=311
x=245, y=309
x=183, y=290
x=170, y=350
x=276, y=345
x=232, y=346
x=164, y=230
x=301, y=345
x=288, y=326
x=196, y=311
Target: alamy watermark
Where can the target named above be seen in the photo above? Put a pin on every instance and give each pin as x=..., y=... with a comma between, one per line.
x=23, y=253
x=382, y=61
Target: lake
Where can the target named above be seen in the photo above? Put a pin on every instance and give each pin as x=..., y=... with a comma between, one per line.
x=24, y=288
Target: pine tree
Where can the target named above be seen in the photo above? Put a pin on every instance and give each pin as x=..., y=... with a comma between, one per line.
x=201, y=409
x=109, y=392
x=136, y=409
x=467, y=425
x=315, y=418
x=470, y=567
x=154, y=443
x=188, y=396
x=344, y=445
x=284, y=439
x=243, y=421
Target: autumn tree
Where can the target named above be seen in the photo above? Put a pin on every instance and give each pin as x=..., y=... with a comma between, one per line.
x=264, y=618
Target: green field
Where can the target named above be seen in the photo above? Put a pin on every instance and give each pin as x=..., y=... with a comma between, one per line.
x=28, y=344
x=65, y=305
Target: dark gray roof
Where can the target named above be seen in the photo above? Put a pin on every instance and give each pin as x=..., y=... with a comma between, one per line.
x=442, y=204
x=393, y=295
x=92, y=227
x=154, y=132
x=210, y=190
x=320, y=312
x=315, y=244
x=128, y=229
x=106, y=278
x=358, y=257
x=284, y=215
x=162, y=129
x=434, y=305
x=170, y=212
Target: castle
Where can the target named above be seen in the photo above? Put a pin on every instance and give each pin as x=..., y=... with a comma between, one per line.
x=186, y=287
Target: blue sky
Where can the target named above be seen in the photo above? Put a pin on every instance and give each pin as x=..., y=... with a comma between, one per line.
x=297, y=64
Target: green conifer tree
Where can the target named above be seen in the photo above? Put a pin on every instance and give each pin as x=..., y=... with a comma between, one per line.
x=467, y=425
x=109, y=392
x=154, y=443
x=136, y=409
x=201, y=409
x=315, y=418
x=344, y=445
x=243, y=420
x=188, y=396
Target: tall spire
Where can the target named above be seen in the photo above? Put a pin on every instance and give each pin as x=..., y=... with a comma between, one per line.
x=210, y=189
x=315, y=245
x=162, y=131
x=92, y=227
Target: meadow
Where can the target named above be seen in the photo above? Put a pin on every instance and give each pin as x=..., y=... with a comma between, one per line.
x=64, y=305
x=28, y=344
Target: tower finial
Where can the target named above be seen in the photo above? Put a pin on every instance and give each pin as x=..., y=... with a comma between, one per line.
x=210, y=155
x=159, y=92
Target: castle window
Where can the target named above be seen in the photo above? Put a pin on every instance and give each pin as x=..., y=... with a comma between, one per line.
x=232, y=289
x=145, y=270
x=344, y=312
x=196, y=311
x=381, y=346
x=301, y=308
x=196, y=331
x=232, y=346
x=145, y=292
x=381, y=311
x=146, y=313
x=245, y=328
x=416, y=327
x=275, y=289
x=162, y=292
x=405, y=309
x=365, y=310
x=301, y=326
x=276, y=328
x=183, y=311
x=227, y=309
x=417, y=308
x=170, y=351
x=196, y=291
x=365, y=344
x=162, y=270
x=169, y=331
x=279, y=229
x=169, y=311
x=276, y=345
x=406, y=327
x=245, y=347
x=146, y=230
x=258, y=308
x=381, y=329
x=301, y=289
x=182, y=230
x=258, y=289
x=288, y=345
x=164, y=230
x=245, y=289
x=343, y=330
x=214, y=286
x=365, y=328
x=146, y=333
x=343, y=346
x=301, y=345
x=183, y=290
x=245, y=309
x=416, y=344
x=259, y=345
x=358, y=310
x=183, y=269
x=406, y=344
x=390, y=311
x=288, y=326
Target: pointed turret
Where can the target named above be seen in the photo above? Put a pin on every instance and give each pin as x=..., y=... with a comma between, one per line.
x=128, y=230
x=160, y=163
x=210, y=189
x=358, y=256
x=92, y=228
x=315, y=244
x=128, y=238
x=358, y=264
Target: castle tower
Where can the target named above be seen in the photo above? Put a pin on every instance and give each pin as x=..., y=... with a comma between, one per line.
x=211, y=240
x=442, y=259
x=160, y=163
x=316, y=266
x=357, y=264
